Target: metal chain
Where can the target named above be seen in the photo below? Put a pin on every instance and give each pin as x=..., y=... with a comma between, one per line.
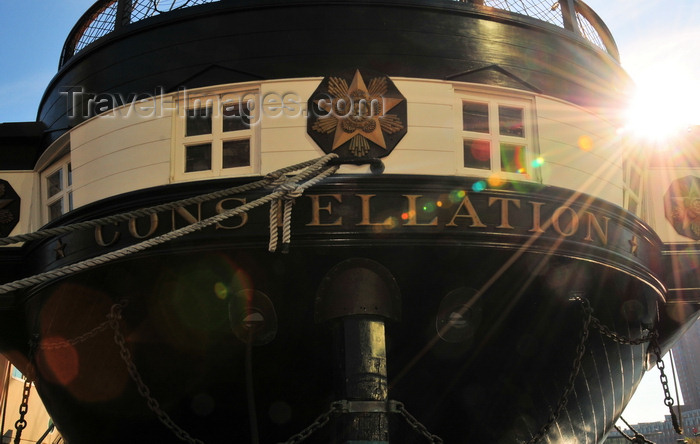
x=62, y=343
x=319, y=422
x=576, y=367
x=606, y=331
x=638, y=438
x=414, y=423
x=21, y=423
x=114, y=318
x=668, y=399
x=652, y=338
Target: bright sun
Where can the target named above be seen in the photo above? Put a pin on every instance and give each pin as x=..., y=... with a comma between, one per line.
x=663, y=105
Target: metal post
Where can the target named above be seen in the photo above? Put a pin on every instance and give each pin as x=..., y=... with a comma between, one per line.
x=359, y=295
x=123, y=17
x=365, y=382
x=568, y=12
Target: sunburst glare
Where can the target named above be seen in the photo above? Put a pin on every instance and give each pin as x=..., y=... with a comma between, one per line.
x=661, y=109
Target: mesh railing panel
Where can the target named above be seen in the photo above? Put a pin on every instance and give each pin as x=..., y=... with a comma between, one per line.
x=589, y=32
x=547, y=11
x=99, y=25
x=142, y=9
x=102, y=22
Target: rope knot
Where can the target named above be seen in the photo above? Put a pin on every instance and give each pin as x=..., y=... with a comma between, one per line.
x=286, y=186
x=291, y=195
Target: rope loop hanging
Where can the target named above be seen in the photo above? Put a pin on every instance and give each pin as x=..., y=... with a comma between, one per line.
x=125, y=217
x=290, y=188
x=315, y=171
x=291, y=191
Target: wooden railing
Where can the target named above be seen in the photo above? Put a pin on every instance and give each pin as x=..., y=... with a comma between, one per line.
x=107, y=16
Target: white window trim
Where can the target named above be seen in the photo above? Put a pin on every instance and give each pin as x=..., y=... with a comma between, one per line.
x=630, y=194
x=217, y=136
x=65, y=193
x=495, y=138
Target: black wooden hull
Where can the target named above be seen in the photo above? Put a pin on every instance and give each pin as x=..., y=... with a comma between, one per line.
x=494, y=376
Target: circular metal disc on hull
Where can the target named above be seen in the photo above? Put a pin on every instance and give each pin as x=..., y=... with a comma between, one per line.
x=510, y=368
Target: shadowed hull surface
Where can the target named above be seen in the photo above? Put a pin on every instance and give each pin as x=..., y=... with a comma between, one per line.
x=507, y=364
x=486, y=330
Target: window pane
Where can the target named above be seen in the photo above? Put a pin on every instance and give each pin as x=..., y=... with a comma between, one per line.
x=513, y=158
x=70, y=201
x=635, y=181
x=198, y=157
x=477, y=154
x=632, y=205
x=54, y=183
x=70, y=175
x=198, y=121
x=16, y=373
x=236, y=153
x=475, y=117
x=234, y=120
x=55, y=209
x=511, y=121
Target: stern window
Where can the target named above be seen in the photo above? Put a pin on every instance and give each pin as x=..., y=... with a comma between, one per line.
x=217, y=136
x=58, y=190
x=496, y=137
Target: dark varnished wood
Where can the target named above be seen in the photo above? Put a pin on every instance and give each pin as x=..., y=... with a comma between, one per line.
x=225, y=42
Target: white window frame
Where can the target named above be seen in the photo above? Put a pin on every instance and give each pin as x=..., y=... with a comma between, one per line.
x=493, y=101
x=65, y=194
x=629, y=194
x=217, y=137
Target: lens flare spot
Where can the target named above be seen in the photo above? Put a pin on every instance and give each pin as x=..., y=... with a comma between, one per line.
x=439, y=203
x=221, y=291
x=479, y=186
x=496, y=181
x=457, y=196
x=538, y=162
x=405, y=216
x=391, y=223
x=481, y=150
x=58, y=361
x=429, y=207
x=585, y=143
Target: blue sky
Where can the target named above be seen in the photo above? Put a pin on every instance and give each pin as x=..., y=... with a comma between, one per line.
x=33, y=32
x=659, y=42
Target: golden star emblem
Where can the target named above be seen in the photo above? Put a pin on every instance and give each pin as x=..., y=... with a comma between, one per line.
x=358, y=113
x=692, y=201
x=684, y=212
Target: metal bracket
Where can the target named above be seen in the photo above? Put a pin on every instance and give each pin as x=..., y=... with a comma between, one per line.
x=345, y=406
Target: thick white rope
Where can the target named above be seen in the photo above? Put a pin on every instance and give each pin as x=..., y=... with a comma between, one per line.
x=280, y=192
x=293, y=190
x=122, y=217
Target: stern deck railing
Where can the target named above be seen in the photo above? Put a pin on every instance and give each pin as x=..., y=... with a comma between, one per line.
x=107, y=16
